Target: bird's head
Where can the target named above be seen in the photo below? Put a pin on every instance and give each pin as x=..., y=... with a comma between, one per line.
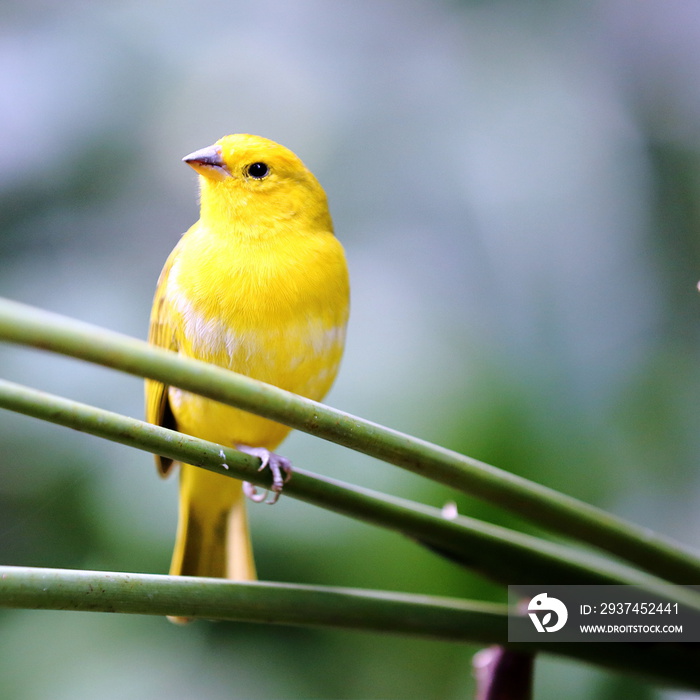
x=256, y=183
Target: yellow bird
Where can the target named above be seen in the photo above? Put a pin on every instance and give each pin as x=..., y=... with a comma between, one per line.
x=258, y=285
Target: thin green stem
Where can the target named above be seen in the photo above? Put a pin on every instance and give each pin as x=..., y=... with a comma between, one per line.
x=566, y=515
x=504, y=555
x=187, y=596
x=376, y=611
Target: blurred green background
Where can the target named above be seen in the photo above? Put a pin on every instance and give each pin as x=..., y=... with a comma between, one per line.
x=517, y=188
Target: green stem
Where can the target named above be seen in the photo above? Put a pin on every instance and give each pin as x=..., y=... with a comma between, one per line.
x=568, y=516
x=504, y=555
x=377, y=611
x=186, y=596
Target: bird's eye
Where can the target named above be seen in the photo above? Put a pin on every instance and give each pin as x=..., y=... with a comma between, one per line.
x=258, y=170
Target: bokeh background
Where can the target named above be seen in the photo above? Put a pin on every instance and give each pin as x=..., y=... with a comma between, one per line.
x=517, y=186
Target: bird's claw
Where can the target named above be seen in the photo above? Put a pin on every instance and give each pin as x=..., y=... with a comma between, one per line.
x=280, y=467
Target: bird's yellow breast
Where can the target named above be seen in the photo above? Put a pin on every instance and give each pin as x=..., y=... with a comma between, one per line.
x=271, y=307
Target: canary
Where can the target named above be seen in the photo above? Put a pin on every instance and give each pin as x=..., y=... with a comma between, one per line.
x=258, y=285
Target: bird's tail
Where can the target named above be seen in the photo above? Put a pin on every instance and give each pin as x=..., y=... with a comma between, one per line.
x=212, y=532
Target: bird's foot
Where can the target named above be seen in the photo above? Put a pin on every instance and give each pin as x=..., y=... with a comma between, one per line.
x=280, y=467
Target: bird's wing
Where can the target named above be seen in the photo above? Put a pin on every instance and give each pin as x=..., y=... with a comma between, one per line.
x=162, y=334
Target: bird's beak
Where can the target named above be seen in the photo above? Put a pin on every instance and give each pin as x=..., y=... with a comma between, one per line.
x=208, y=162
